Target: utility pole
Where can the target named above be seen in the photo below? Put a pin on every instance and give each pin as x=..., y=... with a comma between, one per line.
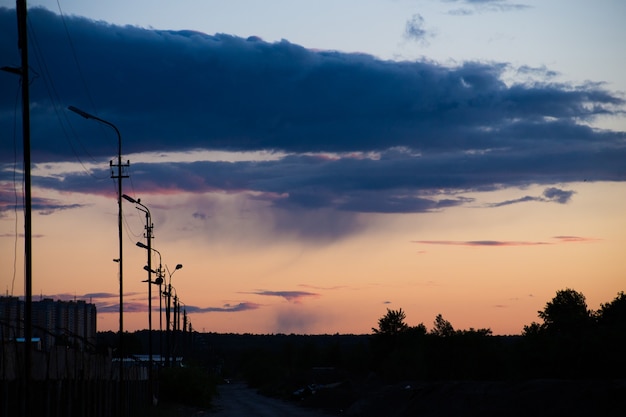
x=119, y=176
x=22, y=44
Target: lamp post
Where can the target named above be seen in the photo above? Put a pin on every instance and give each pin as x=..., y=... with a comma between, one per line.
x=158, y=281
x=119, y=176
x=148, y=236
x=168, y=307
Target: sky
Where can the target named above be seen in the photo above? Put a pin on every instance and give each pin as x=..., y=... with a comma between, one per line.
x=312, y=164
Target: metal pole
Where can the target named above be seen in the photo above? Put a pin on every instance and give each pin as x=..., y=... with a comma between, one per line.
x=149, y=227
x=168, y=294
x=22, y=29
x=160, y=315
x=119, y=177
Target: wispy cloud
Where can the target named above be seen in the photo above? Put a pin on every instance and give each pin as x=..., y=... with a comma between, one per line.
x=575, y=239
x=479, y=243
x=291, y=296
x=316, y=287
x=293, y=319
x=479, y=6
x=504, y=243
x=415, y=29
x=44, y=206
x=550, y=195
x=226, y=308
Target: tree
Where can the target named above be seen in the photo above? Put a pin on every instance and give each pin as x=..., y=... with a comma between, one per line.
x=391, y=323
x=567, y=313
x=613, y=314
x=533, y=329
x=419, y=330
x=442, y=327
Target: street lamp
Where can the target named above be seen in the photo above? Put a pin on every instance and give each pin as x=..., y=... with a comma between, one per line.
x=148, y=235
x=158, y=281
x=119, y=176
x=168, y=307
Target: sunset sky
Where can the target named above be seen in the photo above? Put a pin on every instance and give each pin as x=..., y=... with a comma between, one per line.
x=313, y=163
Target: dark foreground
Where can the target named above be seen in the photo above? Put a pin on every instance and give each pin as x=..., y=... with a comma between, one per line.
x=236, y=400
x=536, y=398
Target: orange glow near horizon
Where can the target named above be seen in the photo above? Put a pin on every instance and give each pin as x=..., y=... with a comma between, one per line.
x=239, y=278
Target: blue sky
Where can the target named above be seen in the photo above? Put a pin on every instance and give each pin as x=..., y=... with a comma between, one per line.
x=309, y=124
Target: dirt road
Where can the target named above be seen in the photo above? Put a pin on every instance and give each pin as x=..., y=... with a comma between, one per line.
x=236, y=400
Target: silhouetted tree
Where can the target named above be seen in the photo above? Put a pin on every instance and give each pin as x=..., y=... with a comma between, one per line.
x=419, y=330
x=533, y=329
x=613, y=314
x=472, y=332
x=567, y=313
x=611, y=321
x=442, y=327
x=391, y=323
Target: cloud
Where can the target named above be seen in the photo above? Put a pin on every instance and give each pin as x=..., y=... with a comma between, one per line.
x=44, y=206
x=575, y=239
x=557, y=195
x=315, y=287
x=479, y=243
x=550, y=195
x=492, y=243
x=350, y=133
x=479, y=6
x=226, y=308
x=415, y=28
x=291, y=296
x=296, y=320
x=100, y=295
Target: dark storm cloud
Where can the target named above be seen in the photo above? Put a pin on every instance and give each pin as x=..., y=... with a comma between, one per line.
x=406, y=136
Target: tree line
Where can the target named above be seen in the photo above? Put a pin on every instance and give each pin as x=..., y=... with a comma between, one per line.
x=571, y=341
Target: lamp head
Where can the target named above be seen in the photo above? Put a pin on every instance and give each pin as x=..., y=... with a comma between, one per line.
x=80, y=112
x=142, y=245
x=12, y=70
x=128, y=198
x=179, y=266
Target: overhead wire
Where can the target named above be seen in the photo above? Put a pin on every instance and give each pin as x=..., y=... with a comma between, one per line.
x=127, y=227
x=74, y=55
x=15, y=205
x=55, y=100
x=78, y=68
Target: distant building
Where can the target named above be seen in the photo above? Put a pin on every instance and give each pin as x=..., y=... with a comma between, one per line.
x=70, y=323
